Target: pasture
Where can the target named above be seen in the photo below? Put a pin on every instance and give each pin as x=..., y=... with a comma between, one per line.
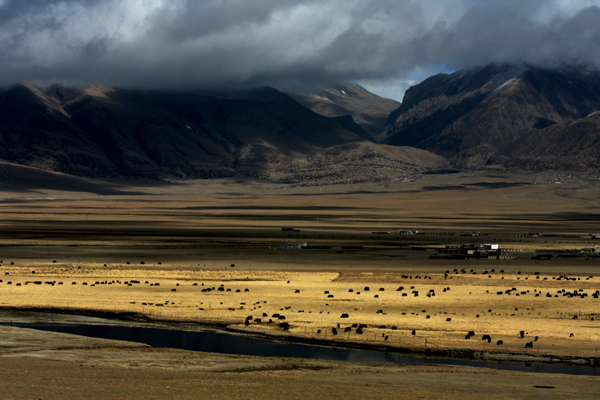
x=208, y=253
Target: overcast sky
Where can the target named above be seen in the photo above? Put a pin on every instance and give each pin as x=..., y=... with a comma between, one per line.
x=386, y=45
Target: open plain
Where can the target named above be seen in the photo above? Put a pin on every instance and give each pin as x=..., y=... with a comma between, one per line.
x=208, y=253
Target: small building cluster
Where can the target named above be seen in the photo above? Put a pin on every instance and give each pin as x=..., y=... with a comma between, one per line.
x=534, y=234
x=468, y=251
x=407, y=232
x=470, y=234
x=291, y=245
x=587, y=252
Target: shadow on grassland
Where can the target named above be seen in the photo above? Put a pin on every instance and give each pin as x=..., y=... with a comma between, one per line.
x=23, y=179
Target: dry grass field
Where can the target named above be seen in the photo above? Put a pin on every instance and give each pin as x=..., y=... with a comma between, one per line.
x=180, y=239
x=313, y=303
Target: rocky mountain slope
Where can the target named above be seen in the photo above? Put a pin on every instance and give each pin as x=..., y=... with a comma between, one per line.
x=356, y=162
x=106, y=132
x=569, y=145
x=482, y=116
x=367, y=109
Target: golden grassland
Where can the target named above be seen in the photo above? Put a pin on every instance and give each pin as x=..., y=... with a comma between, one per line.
x=314, y=301
x=191, y=232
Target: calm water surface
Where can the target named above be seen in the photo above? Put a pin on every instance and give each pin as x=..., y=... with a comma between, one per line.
x=224, y=343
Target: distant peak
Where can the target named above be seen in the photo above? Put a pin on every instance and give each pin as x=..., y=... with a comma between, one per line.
x=98, y=90
x=52, y=103
x=495, y=71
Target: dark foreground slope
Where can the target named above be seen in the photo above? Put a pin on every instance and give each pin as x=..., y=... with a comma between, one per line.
x=20, y=178
x=474, y=117
x=105, y=132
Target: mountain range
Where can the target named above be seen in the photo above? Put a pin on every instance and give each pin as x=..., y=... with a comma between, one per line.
x=106, y=132
x=512, y=116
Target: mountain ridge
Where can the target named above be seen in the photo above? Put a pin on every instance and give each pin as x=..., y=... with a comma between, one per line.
x=367, y=109
x=105, y=132
x=473, y=116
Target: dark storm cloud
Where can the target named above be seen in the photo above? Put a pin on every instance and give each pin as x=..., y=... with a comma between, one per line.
x=480, y=37
x=209, y=43
x=194, y=19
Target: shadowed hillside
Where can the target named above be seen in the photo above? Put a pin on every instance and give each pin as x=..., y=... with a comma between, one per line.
x=474, y=117
x=107, y=132
x=19, y=178
x=570, y=145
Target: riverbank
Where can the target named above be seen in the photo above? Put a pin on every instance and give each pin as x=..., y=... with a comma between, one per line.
x=20, y=317
x=467, y=354
x=49, y=365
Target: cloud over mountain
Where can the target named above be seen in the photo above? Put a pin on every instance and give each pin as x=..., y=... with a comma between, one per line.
x=215, y=43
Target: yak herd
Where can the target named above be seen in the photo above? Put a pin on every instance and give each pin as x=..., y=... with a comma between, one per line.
x=359, y=328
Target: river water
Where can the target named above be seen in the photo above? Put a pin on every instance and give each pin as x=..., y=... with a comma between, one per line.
x=225, y=343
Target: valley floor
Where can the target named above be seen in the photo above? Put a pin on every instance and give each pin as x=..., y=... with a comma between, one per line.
x=154, y=252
